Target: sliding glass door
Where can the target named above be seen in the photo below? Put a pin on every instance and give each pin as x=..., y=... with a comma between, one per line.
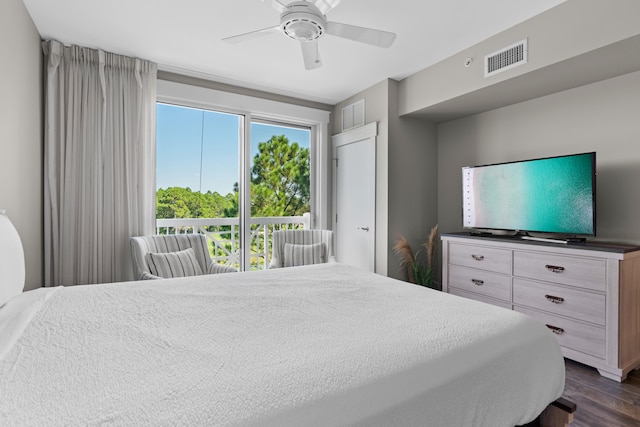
x=233, y=182
x=280, y=170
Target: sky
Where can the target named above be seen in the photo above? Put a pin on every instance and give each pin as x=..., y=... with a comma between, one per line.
x=199, y=149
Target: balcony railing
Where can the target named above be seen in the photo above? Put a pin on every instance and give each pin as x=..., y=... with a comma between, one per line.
x=223, y=235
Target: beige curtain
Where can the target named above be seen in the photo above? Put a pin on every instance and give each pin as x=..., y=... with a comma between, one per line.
x=99, y=162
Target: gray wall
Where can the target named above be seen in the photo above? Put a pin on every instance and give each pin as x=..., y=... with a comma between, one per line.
x=575, y=94
x=413, y=177
x=376, y=110
x=209, y=84
x=572, y=44
x=406, y=173
x=602, y=117
x=21, y=129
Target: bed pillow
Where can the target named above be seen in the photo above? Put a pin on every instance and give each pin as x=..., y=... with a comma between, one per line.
x=174, y=264
x=296, y=255
x=12, y=269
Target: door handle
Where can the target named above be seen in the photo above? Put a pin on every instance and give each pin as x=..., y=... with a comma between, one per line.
x=363, y=228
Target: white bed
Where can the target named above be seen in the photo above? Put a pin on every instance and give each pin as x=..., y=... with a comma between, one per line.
x=325, y=345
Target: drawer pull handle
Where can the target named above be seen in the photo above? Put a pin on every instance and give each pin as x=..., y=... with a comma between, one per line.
x=554, y=268
x=555, y=329
x=554, y=299
x=477, y=282
x=477, y=257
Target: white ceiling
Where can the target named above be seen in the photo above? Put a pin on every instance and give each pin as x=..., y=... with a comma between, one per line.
x=185, y=36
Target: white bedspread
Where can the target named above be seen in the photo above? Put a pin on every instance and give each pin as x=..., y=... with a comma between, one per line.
x=322, y=345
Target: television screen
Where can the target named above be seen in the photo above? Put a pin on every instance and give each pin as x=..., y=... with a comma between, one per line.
x=550, y=195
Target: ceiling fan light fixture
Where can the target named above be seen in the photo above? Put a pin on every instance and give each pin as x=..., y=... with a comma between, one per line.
x=303, y=30
x=303, y=23
x=306, y=22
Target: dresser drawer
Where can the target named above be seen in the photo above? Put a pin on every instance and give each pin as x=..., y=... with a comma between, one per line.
x=490, y=259
x=574, y=303
x=588, y=339
x=480, y=281
x=587, y=273
x=477, y=297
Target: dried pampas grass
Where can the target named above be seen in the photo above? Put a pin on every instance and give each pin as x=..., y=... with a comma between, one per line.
x=419, y=272
x=430, y=245
x=402, y=248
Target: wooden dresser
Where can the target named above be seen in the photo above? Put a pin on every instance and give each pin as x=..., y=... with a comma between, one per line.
x=587, y=294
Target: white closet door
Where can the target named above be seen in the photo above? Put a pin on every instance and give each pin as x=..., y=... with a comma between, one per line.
x=354, y=219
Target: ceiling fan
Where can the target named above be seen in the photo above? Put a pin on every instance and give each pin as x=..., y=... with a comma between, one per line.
x=306, y=21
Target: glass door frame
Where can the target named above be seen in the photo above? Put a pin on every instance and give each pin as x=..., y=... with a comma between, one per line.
x=261, y=110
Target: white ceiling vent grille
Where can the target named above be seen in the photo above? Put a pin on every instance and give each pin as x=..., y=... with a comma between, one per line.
x=504, y=59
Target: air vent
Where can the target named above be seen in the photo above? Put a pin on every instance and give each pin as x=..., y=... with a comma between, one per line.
x=353, y=115
x=504, y=59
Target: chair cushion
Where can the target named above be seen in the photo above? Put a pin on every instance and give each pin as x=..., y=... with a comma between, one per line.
x=215, y=268
x=174, y=264
x=296, y=255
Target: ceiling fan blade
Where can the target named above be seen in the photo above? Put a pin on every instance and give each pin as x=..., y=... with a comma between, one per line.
x=277, y=5
x=252, y=35
x=361, y=34
x=325, y=6
x=311, y=55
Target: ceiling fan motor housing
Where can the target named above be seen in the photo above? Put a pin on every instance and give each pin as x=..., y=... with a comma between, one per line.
x=302, y=21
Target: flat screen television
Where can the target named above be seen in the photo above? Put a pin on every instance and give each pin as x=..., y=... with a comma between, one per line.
x=554, y=195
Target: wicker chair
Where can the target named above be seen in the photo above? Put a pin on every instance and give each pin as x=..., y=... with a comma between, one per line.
x=301, y=247
x=146, y=249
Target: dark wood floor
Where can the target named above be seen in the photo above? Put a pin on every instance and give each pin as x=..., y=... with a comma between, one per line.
x=602, y=402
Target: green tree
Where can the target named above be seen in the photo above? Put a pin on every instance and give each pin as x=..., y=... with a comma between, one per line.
x=232, y=209
x=178, y=202
x=173, y=202
x=280, y=178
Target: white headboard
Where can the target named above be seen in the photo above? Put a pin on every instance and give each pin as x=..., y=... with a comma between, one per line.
x=11, y=260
